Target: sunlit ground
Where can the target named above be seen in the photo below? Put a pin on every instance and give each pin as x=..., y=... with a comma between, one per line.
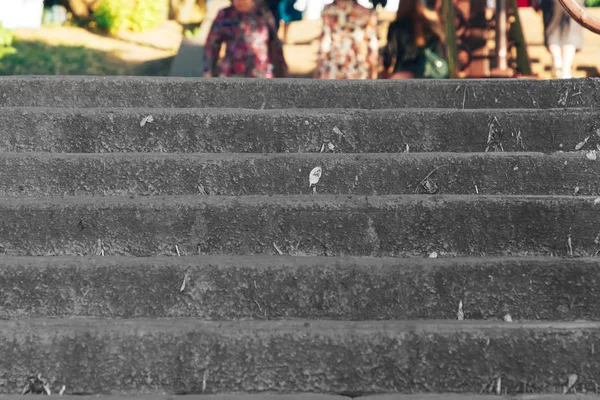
x=74, y=51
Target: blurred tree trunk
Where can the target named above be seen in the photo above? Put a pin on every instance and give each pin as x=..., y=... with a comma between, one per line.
x=81, y=8
x=187, y=11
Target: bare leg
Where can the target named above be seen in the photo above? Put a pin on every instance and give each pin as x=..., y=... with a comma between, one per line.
x=402, y=75
x=557, y=61
x=568, y=54
x=286, y=30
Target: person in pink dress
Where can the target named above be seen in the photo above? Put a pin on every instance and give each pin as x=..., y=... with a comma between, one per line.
x=252, y=47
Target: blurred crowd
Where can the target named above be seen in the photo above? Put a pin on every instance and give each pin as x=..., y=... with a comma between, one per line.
x=348, y=44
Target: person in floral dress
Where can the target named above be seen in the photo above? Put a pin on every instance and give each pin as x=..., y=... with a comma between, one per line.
x=252, y=48
x=348, y=47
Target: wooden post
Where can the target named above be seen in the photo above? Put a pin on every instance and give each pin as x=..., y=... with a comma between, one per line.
x=450, y=31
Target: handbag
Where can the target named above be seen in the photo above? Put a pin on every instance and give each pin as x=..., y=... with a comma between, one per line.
x=431, y=65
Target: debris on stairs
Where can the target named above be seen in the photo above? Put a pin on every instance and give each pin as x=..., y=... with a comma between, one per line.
x=286, y=239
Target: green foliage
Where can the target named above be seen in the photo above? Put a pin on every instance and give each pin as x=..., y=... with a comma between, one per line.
x=37, y=58
x=6, y=41
x=592, y=3
x=138, y=16
x=6, y=36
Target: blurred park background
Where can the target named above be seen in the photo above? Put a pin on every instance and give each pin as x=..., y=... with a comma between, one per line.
x=165, y=37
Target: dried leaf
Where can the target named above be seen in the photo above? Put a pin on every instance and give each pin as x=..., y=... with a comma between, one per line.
x=146, y=119
x=331, y=146
x=572, y=380
x=314, y=176
x=581, y=144
x=576, y=191
x=460, y=315
x=185, y=279
x=499, y=386
x=204, y=379
x=62, y=390
x=591, y=155
x=337, y=130
x=597, y=200
x=433, y=254
x=322, y=148
x=507, y=318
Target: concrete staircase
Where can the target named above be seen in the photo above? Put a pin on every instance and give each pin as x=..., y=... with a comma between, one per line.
x=159, y=236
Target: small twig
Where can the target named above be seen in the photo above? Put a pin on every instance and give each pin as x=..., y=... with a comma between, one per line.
x=177, y=249
x=277, y=248
x=429, y=174
x=259, y=307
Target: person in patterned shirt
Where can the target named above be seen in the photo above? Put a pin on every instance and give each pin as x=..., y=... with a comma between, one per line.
x=252, y=47
x=348, y=48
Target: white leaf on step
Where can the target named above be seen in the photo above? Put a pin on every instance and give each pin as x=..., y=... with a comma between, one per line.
x=507, y=318
x=314, y=176
x=331, y=146
x=571, y=381
x=499, y=386
x=581, y=144
x=591, y=155
x=433, y=254
x=204, y=379
x=146, y=119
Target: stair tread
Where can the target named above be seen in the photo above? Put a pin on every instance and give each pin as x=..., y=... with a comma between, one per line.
x=294, y=130
x=387, y=225
x=120, y=174
x=83, y=91
x=276, y=287
x=294, y=355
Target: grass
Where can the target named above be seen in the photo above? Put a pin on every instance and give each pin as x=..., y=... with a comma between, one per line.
x=38, y=58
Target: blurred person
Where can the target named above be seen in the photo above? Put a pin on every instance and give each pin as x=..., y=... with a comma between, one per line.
x=252, y=48
x=414, y=46
x=348, y=47
x=563, y=36
x=273, y=6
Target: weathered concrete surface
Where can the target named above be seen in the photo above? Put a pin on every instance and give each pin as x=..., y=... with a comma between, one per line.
x=351, y=358
x=238, y=396
x=311, y=396
x=80, y=91
x=330, y=225
x=277, y=287
x=120, y=174
x=292, y=131
x=487, y=396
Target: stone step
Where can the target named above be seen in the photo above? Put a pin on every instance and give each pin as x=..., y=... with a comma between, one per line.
x=90, y=91
x=277, y=287
x=123, y=174
x=330, y=225
x=350, y=358
x=313, y=396
x=301, y=130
